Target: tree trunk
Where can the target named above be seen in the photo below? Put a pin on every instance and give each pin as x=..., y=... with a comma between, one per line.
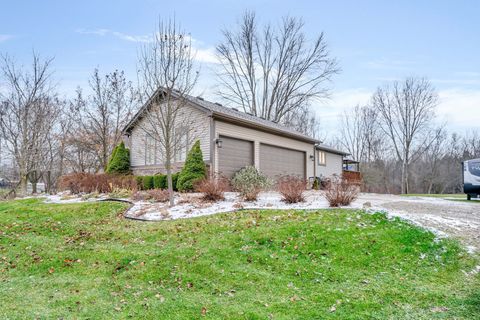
x=23, y=184
x=407, y=187
x=170, y=183
x=403, y=191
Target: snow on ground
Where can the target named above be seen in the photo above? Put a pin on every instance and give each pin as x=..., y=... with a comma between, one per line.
x=443, y=217
x=66, y=197
x=190, y=205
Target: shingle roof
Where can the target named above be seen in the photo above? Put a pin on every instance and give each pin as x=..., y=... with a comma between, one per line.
x=322, y=146
x=219, y=111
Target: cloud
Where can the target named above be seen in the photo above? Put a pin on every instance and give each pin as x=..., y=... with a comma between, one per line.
x=460, y=108
x=119, y=35
x=202, y=52
x=5, y=37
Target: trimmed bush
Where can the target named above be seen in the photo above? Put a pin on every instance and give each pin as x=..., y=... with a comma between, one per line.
x=249, y=182
x=174, y=181
x=120, y=160
x=101, y=183
x=316, y=184
x=139, y=180
x=193, y=171
x=160, y=181
x=147, y=182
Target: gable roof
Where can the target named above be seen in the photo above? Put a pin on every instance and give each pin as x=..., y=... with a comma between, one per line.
x=218, y=111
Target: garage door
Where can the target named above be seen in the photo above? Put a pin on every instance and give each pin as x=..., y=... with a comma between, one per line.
x=234, y=155
x=276, y=161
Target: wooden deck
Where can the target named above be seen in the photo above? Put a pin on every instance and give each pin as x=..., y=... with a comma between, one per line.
x=352, y=176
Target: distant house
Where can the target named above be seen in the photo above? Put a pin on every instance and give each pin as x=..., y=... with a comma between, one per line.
x=231, y=140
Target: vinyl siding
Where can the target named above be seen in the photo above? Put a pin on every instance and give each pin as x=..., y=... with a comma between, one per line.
x=201, y=122
x=333, y=165
x=258, y=137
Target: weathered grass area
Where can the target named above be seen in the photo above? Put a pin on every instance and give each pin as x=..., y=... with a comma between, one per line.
x=441, y=195
x=85, y=261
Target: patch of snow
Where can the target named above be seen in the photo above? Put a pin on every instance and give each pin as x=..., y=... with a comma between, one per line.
x=266, y=200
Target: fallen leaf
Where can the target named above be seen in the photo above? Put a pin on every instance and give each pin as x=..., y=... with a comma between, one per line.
x=333, y=308
x=439, y=309
x=51, y=270
x=204, y=311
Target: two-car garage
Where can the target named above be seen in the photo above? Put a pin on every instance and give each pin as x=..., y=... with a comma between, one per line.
x=235, y=154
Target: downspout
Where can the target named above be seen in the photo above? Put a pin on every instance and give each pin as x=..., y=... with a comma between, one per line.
x=212, y=145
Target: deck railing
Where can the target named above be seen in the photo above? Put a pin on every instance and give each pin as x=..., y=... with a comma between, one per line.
x=352, y=176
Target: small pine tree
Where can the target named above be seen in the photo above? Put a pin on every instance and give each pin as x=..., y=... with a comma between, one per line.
x=193, y=170
x=120, y=160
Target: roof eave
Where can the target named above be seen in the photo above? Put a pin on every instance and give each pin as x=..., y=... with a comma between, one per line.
x=265, y=128
x=339, y=152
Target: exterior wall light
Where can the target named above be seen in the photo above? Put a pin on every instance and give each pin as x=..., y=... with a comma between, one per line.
x=218, y=142
x=312, y=157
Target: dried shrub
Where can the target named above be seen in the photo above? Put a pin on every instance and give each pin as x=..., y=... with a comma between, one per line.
x=158, y=195
x=340, y=192
x=249, y=182
x=119, y=193
x=213, y=188
x=127, y=182
x=91, y=183
x=140, y=196
x=291, y=188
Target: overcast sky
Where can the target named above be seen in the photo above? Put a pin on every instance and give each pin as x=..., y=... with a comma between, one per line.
x=374, y=41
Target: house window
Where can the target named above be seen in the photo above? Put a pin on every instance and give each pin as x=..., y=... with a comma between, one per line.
x=322, y=158
x=181, y=144
x=151, y=150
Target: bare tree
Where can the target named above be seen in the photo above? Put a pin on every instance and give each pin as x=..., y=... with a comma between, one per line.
x=359, y=134
x=27, y=111
x=274, y=73
x=406, y=110
x=167, y=77
x=105, y=112
x=80, y=155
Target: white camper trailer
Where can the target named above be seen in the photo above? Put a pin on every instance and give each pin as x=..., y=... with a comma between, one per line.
x=471, y=178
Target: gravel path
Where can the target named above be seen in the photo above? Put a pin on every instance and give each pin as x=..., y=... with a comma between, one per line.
x=460, y=219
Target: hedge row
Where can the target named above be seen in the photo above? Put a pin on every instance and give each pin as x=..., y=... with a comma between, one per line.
x=158, y=181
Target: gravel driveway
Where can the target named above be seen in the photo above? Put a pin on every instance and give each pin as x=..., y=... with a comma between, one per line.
x=459, y=219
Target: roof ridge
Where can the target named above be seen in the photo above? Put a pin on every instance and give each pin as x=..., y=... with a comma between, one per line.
x=217, y=107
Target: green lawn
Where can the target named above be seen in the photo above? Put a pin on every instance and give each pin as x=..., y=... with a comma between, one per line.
x=86, y=261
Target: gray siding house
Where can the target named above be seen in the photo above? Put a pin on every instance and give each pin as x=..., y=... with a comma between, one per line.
x=231, y=140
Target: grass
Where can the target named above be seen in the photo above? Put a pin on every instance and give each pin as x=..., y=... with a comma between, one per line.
x=434, y=195
x=459, y=197
x=86, y=261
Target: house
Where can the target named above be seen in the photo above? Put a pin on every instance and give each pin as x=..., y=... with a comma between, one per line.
x=231, y=140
